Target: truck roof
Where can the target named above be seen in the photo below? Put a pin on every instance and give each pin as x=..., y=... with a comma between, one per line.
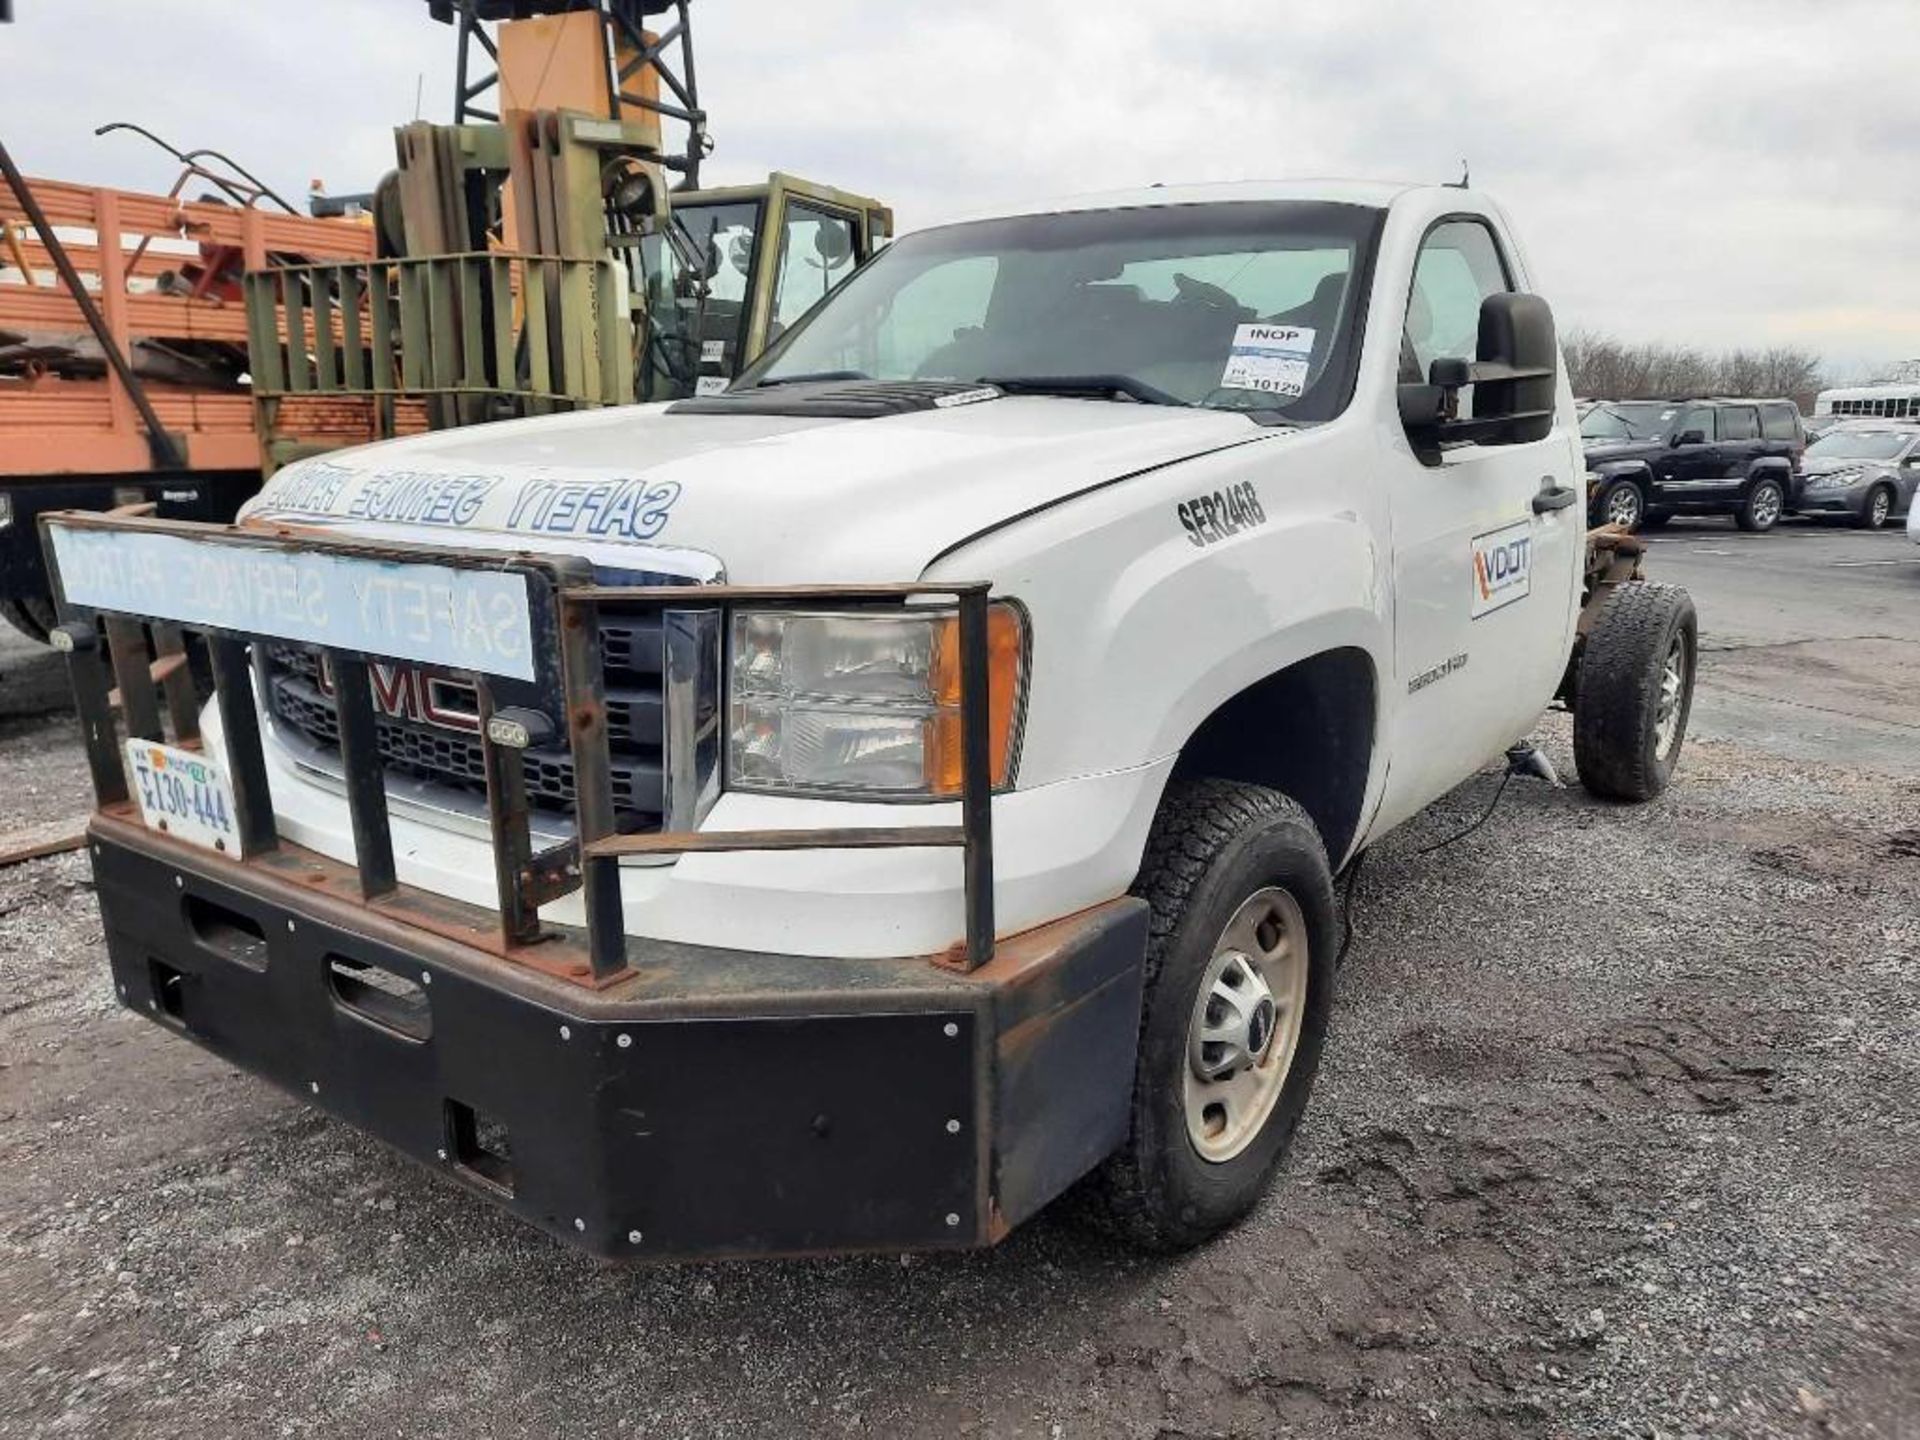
x=1377, y=193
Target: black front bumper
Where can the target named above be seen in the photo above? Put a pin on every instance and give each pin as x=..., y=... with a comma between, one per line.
x=713, y=1103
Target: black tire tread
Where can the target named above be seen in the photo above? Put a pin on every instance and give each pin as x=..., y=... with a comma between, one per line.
x=1611, y=714
x=1196, y=820
x=1863, y=518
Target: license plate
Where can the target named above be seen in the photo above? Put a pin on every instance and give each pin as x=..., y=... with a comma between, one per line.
x=184, y=794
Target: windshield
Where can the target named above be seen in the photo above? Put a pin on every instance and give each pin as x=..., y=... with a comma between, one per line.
x=1858, y=445
x=695, y=281
x=1241, y=306
x=1646, y=420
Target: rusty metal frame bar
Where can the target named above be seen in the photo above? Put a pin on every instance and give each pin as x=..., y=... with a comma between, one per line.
x=973, y=836
x=570, y=604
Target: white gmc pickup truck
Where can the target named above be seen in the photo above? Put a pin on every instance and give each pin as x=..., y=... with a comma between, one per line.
x=849, y=810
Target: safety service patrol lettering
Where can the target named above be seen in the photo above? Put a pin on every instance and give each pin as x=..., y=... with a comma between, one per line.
x=612, y=507
x=1502, y=567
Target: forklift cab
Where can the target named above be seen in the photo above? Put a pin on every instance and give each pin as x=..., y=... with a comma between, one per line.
x=730, y=269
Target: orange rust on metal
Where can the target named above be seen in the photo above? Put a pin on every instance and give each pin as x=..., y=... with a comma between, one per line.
x=997, y=1228
x=1613, y=558
x=953, y=958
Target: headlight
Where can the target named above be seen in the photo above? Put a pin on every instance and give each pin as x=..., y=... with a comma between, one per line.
x=1834, y=479
x=864, y=701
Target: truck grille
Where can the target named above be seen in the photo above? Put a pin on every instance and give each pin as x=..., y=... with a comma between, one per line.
x=429, y=731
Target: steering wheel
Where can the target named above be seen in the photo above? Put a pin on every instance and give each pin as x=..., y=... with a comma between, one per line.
x=1206, y=295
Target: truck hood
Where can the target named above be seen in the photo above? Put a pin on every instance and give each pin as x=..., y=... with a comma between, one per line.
x=1828, y=465
x=1601, y=451
x=777, y=499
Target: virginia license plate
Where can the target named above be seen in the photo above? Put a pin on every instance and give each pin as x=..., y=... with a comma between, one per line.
x=184, y=794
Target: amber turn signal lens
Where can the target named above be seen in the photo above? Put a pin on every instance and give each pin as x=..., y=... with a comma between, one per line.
x=1006, y=663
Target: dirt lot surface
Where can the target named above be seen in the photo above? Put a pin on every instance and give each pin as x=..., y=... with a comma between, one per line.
x=1618, y=1134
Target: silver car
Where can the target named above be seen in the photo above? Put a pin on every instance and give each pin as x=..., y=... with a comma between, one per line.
x=1867, y=471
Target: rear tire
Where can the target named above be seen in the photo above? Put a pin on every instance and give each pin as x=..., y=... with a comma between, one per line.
x=1762, y=508
x=1635, y=691
x=1218, y=847
x=1878, y=510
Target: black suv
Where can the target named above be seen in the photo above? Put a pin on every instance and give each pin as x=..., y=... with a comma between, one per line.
x=1649, y=460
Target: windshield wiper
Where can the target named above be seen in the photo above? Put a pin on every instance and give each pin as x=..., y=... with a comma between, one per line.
x=1110, y=385
x=810, y=377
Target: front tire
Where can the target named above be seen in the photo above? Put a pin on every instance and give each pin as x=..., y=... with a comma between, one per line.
x=1762, y=508
x=1239, y=982
x=1623, y=504
x=1877, y=511
x=1635, y=691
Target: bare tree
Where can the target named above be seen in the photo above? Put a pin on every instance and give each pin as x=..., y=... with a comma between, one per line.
x=1608, y=369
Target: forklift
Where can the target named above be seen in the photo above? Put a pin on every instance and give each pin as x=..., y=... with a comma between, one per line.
x=550, y=249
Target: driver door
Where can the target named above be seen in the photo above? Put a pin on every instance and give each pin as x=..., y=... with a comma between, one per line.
x=1484, y=609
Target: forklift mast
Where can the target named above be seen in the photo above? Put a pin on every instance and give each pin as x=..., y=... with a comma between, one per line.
x=619, y=77
x=551, y=249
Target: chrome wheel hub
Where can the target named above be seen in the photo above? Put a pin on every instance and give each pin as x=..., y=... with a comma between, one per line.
x=1766, y=506
x=1673, y=681
x=1246, y=1024
x=1623, y=506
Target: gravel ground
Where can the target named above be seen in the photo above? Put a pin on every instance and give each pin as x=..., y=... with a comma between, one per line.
x=1617, y=1135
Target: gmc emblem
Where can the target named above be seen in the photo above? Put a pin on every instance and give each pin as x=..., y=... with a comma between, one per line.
x=403, y=693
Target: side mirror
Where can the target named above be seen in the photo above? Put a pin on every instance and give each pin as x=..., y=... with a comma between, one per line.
x=1514, y=375
x=1690, y=437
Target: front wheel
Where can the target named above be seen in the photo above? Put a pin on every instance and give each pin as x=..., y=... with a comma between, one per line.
x=1877, y=511
x=1760, y=511
x=1635, y=691
x=1624, y=505
x=1239, y=980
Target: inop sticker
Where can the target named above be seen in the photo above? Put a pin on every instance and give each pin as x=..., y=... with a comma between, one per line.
x=1270, y=358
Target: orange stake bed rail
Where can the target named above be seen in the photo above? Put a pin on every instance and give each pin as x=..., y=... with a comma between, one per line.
x=123, y=244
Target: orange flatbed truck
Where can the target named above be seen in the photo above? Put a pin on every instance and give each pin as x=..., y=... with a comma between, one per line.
x=135, y=389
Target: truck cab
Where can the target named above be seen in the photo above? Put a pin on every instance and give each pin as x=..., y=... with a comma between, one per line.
x=982, y=691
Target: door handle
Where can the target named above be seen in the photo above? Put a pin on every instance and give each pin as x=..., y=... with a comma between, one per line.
x=1553, y=496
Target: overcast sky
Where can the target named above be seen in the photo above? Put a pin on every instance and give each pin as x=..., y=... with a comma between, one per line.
x=1715, y=172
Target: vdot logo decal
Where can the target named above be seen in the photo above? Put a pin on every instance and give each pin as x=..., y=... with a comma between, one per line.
x=1502, y=567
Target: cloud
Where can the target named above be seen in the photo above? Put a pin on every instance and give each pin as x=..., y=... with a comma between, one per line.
x=1720, y=172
